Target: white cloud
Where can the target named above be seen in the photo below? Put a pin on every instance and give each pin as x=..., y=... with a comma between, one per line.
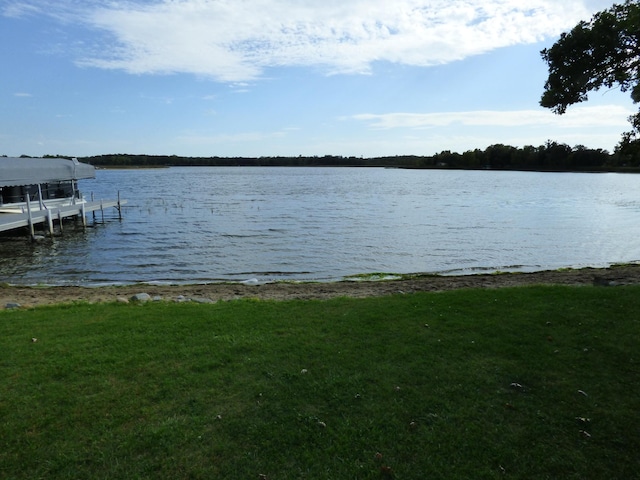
x=577, y=117
x=236, y=40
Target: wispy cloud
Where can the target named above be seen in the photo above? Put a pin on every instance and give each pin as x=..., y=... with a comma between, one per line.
x=224, y=138
x=22, y=94
x=237, y=40
x=584, y=116
x=19, y=9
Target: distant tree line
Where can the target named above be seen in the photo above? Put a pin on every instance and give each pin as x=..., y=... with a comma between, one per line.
x=126, y=160
x=551, y=156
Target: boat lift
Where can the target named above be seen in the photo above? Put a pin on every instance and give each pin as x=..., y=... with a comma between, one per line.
x=21, y=175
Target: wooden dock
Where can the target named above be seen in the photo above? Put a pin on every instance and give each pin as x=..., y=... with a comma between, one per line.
x=47, y=217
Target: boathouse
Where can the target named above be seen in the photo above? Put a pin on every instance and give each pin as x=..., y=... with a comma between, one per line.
x=43, y=191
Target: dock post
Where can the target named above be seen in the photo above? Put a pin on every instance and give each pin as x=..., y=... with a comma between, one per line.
x=93, y=213
x=60, y=220
x=83, y=214
x=102, y=210
x=30, y=219
x=50, y=222
x=42, y=206
x=119, y=207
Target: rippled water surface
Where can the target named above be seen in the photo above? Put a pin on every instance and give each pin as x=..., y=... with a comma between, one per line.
x=216, y=224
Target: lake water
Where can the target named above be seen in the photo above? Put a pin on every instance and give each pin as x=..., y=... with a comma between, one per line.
x=190, y=225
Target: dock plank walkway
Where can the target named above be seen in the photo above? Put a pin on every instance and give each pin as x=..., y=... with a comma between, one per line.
x=12, y=221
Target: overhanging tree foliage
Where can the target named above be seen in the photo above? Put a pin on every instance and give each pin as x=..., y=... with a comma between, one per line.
x=604, y=52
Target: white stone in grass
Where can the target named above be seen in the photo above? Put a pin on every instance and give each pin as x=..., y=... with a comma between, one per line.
x=202, y=300
x=140, y=297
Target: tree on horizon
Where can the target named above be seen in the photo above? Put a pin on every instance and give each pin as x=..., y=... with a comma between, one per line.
x=603, y=52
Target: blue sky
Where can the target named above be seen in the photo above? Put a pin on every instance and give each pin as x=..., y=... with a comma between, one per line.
x=288, y=77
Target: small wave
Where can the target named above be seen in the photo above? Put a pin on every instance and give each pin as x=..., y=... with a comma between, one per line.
x=267, y=273
x=475, y=270
x=237, y=235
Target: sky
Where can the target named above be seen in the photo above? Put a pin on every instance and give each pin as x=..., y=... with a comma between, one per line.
x=255, y=78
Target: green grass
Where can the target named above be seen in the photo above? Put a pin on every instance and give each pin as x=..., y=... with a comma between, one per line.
x=316, y=389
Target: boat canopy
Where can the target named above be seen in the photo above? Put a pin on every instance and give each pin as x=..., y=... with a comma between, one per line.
x=31, y=171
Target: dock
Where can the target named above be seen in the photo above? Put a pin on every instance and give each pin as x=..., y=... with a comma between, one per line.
x=47, y=217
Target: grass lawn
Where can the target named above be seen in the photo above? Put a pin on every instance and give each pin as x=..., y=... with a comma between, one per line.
x=530, y=382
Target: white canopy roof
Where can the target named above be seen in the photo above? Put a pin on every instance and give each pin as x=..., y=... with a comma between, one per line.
x=30, y=171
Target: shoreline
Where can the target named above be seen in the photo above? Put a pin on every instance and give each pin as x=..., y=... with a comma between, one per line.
x=33, y=296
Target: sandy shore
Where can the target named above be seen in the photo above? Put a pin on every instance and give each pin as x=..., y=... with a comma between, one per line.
x=36, y=296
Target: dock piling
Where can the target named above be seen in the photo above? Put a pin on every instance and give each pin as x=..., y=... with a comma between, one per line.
x=119, y=207
x=30, y=219
x=50, y=222
x=83, y=215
